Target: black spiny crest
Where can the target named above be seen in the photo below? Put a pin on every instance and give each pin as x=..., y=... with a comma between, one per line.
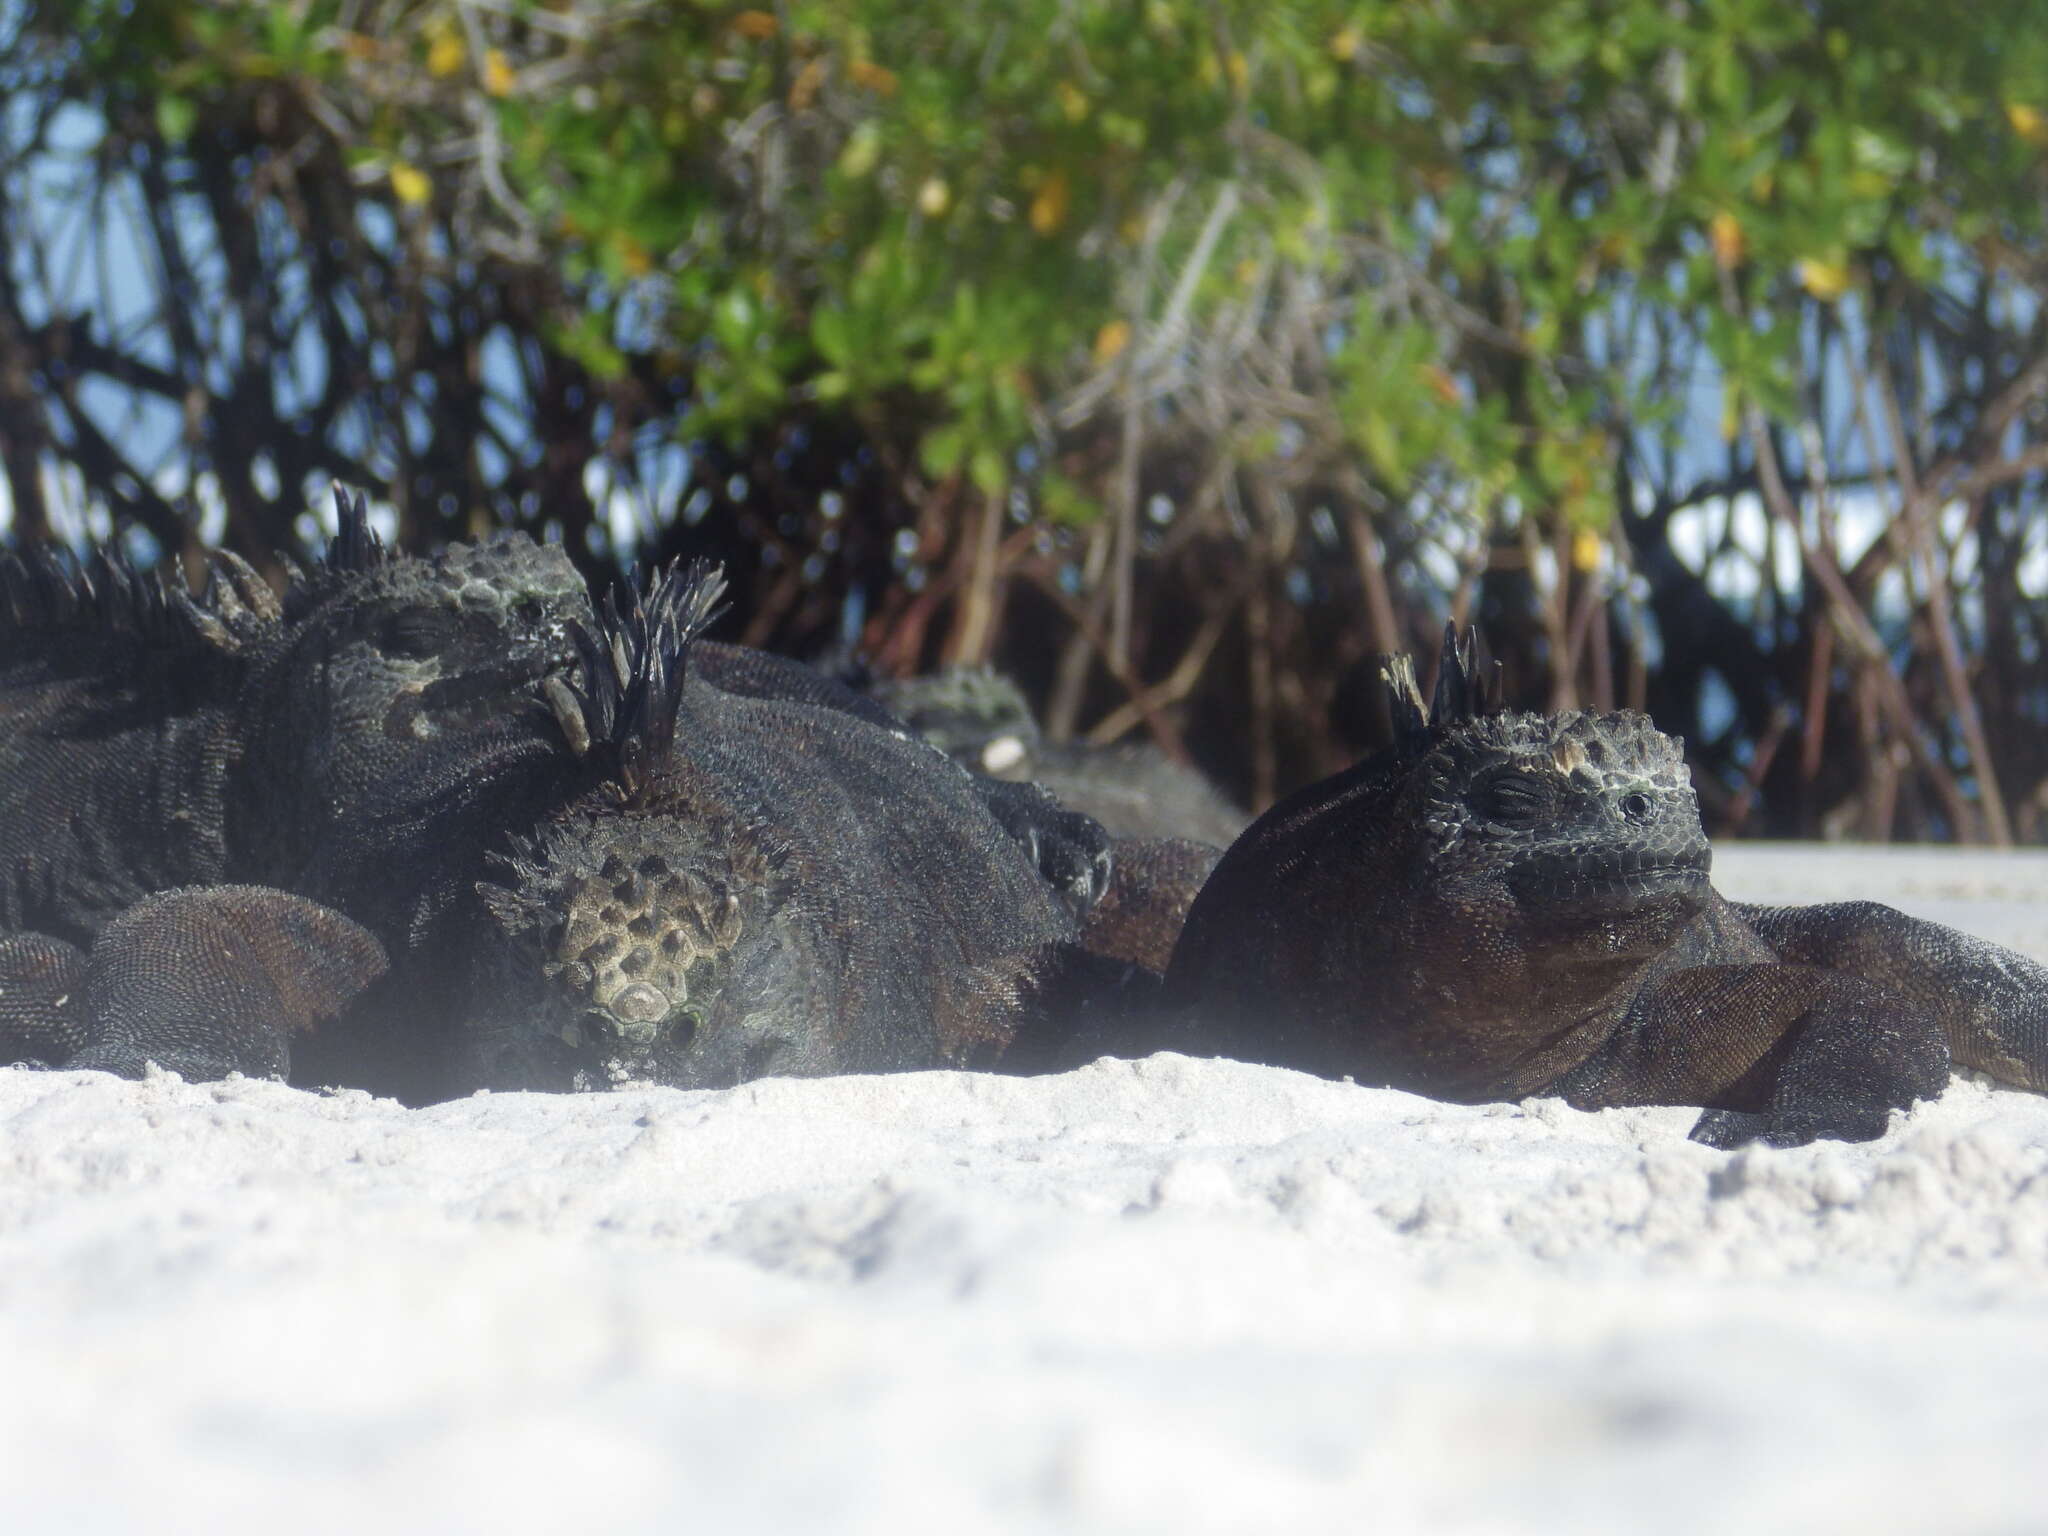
x=46, y=593
x=1465, y=688
x=623, y=707
x=355, y=545
x=354, y=551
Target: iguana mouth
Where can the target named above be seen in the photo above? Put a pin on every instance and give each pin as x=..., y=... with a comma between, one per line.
x=1601, y=880
x=468, y=699
x=487, y=688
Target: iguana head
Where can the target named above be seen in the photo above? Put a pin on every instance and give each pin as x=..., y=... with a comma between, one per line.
x=1578, y=819
x=410, y=648
x=397, y=687
x=1572, y=815
x=973, y=714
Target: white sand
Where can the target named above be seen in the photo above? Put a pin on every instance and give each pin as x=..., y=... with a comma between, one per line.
x=1165, y=1296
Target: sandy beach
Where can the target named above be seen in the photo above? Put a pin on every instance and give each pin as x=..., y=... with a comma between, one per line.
x=1166, y=1295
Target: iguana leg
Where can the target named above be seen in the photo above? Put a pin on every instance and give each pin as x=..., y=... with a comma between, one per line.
x=1783, y=1054
x=43, y=1017
x=216, y=979
x=1991, y=1003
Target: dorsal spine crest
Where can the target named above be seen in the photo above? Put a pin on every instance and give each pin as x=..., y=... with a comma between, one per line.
x=624, y=705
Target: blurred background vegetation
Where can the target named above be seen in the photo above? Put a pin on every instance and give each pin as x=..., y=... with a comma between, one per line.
x=1177, y=357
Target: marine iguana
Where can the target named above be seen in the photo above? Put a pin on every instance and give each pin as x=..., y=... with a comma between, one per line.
x=177, y=766
x=151, y=739
x=1168, y=824
x=1068, y=842
x=357, y=750
x=1134, y=790
x=748, y=884
x=1507, y=905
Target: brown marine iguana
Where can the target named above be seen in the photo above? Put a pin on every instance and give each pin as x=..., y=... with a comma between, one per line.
x=1507, y=905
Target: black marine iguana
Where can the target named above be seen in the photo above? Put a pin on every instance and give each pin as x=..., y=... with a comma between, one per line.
x=1136, y=791
x=355, y=750
x=1507, y=905
x=747, y=884
x=172, y=765
x=1168, y=823
x=151, y=739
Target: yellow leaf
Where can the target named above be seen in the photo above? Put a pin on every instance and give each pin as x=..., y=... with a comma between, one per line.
x=410, y=183
x=1585, y=550
x=758, y=25
x=877, y=79
x=934, y=197
x=1441, y=384
x=1724, y=233
x=1049, y=204
x=498, y=75
x=809, y=81
x=1073, y=100
x=1344, y=45
x=1239, y=70
x=445, y=54
x=2030, y=123
x=1111, y=340
x=633, y=257
x=1827, y=279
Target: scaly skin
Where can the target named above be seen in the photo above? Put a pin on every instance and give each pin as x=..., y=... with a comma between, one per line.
x=159, y=749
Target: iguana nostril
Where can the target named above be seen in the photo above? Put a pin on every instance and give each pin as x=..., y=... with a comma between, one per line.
x=1636, y=807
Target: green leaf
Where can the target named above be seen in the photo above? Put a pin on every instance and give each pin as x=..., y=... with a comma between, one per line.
x=175, y=118
x=985, y=469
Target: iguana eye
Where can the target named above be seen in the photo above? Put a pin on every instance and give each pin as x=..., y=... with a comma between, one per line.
x=417, y=633
x=1510, y=799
